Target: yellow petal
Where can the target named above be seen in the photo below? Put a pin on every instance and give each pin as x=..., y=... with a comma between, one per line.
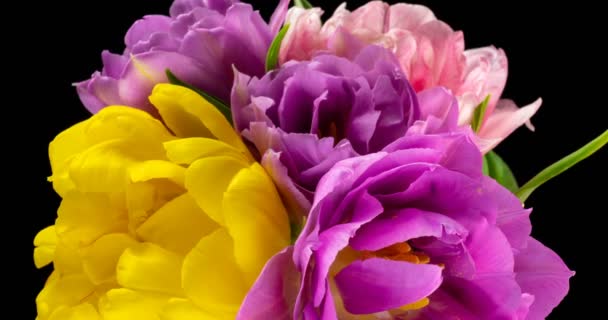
x=126, y=123
x=100, y=258
x=188, y=150
x=45, y=242
x=211, y=277
x=177, y=226
x=151, y=268
x=67, y=144
x=172, y=100
x=181, y=121
x=125, y=304
x=256, y=219
x=67, y=259
x=84, y=311
x=82, y=218
x=208, y=178
x=157, y=169
x=182, y=309
x=105, y=167
x=144, y=198
x=64, y=291
x=93, y=155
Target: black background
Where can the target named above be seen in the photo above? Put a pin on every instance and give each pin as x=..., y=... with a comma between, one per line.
x=553, y=53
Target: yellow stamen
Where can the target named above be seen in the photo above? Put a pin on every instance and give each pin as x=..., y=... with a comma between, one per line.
x=399, y=252
x=415, y=305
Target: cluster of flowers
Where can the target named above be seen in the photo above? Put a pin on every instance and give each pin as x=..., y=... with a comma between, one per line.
x=294, y=169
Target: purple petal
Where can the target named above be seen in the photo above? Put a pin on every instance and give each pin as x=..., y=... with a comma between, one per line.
x=144, y=28
x=404, y=225
x=113, y=64
x=273, y=293
x=512, y=218
x=495, y=297
x=460, y=153
x=542, y=273
x=247, y=32
x=135, y=85
x=490, y=249
x=91, y=91
x=450, y=193
x=377, y=284
x=183, y=6
x=278, y=16
x=297, y=203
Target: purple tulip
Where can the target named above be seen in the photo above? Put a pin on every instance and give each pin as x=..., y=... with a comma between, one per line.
x=306, y=116
x=415, y=231
x=199, y=42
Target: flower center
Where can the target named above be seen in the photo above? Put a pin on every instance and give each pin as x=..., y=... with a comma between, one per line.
x=331, y=131
x=399, y=252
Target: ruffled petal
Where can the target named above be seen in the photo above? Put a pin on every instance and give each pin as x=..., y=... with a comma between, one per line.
x=377, y=284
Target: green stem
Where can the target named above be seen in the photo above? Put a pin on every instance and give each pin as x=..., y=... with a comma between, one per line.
x=302, y=4
x=562, y=165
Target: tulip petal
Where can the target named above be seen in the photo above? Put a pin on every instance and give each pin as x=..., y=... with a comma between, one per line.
x=207, y=179
x=121, y=304
x=67, y=290
x=78, y=312
x=405, y=225
x=149, y=267
x=188, y=150
x=172, y=97
x=376, y=284
x=177, y=226
x=505, y=119
x=82, y=218
x=99, y=260
x=273, y=294
x=157, y=169
x=45, y=242
x=67, y=144
x=259, y=226
x=542, y=273
x=210, y=275
x=178, y=309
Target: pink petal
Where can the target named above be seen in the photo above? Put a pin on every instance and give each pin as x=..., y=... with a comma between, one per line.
x=503, y=121
x=303, y=37
x=369, y=20
x=485, y=74
x=409, y=16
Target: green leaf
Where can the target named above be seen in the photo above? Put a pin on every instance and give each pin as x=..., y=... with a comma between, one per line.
x=302, y=4
x=495, y=167
x=562, y=165
x=478, y=115
x=216, y=102
x=272, y=56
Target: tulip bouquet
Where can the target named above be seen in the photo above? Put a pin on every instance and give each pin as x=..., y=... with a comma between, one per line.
x=296, y=168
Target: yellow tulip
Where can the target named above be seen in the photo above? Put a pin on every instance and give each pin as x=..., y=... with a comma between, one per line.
x=159, y=220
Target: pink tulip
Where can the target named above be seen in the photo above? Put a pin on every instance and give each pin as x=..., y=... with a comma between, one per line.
x=428, y=50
